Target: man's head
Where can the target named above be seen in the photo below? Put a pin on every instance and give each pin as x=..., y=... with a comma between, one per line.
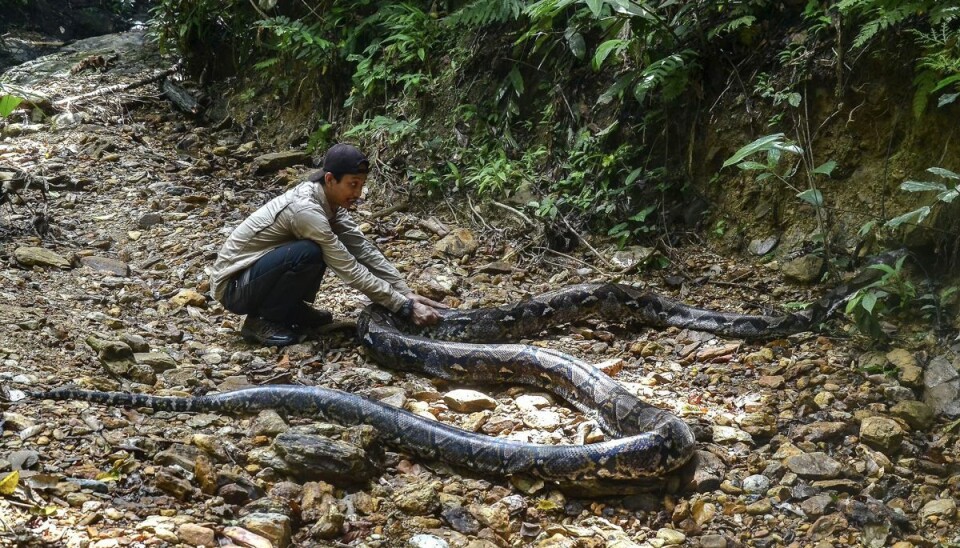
x=345, y=172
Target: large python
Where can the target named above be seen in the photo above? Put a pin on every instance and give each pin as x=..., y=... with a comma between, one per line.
x=646, y=442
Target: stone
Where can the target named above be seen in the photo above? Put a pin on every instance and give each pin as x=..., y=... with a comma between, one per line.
x=824, y=400
x=713, y=541
x=760, y=507
x=468, y=401
x=118, y=359
x=312, y=458
x=268, y=423
x=106, y=264
x=813, y=466
x=904, y=361
x=461, y=520
x=822, y=431
x=436, y=285
x=158, y=361
x=38, y=256
x=729, y=434
x=631, y=257
x=915, y=413
x=496, y=267
x=942, y=508
x=495, y=516
x=188, y=297
x=460, y=242
x=418, y=498
x=168, y=480
x=756, y=484
x=762, y=247
x=671, y=537
x=941, y=386
x=416, y=234
x=817, y=505
x=542, y=420
x=149, y=219
x=275, y=161
x=774, y=382
x=427, y=541
x=196, y=535
x=532, y=402
x=881, y=433
x=274, y=527
x=245, y=538
x=804, y=269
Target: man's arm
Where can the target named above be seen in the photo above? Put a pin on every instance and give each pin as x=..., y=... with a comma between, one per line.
x=367, y=254
x=309, y=224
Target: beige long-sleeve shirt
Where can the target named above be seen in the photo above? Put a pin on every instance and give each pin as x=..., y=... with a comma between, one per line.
x=302, y=213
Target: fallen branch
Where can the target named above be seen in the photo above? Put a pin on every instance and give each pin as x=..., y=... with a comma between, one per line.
x=119, y=87
x=586, y=243
x=389, y=210
x=516, y=212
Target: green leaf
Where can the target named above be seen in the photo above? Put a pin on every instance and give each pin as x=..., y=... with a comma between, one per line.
x=826, y=168
x=616, y=89
x=9, y=103
x=916, y=217
x=595, y=6
x=945, y=173
x=633, y=176
x=945, y=82
x=947, y=99
x=605, y=50
x=868, y=302
x=812, y=196
x=749, y=165
x=762, y=144
x=949, y=196
x=577, y=45
x=516, y=80
x=794, y=99
x=922, y=186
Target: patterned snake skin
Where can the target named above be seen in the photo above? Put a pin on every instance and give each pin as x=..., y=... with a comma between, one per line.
x=646, y=442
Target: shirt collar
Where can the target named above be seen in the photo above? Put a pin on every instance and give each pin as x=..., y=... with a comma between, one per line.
x=321, y=198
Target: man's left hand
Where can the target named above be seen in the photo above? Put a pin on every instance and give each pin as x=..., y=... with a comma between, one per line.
x=424, y=300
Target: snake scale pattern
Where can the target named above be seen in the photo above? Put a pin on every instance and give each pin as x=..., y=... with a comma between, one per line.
x=644, y=442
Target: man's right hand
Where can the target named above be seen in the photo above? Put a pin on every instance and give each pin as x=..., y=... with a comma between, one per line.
x=423, y=314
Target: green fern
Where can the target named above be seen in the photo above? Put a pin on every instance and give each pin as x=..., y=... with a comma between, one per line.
x=483, y=13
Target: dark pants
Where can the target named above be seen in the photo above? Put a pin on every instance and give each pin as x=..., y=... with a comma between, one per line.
x=277, y=285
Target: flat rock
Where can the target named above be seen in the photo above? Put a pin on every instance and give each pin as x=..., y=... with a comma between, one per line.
x=881, y=433
x=804, y=269
x=943, y=508
x=468, y=401
x=915, y=413
x=631, y=257
x=158, y=361
x=729, y=434
x=909, y=372
x=275, y=161
x=106, y=264
x=763, y=246
x=418, y=498
x=149, y=219
x=38, y=256
x=941, y=386
x=247, y=539
x=813, y=466
x=196, y=535
x=461, y=242
x=312, y=458
x=274, y=527
x=427, y=541
x=817, y=505
x=542, y=420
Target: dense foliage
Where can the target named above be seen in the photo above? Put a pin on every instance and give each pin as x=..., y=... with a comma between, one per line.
x=580, y=108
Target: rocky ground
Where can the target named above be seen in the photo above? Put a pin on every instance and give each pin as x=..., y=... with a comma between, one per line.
x=817, y=440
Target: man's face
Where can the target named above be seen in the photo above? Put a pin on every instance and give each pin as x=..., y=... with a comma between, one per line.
x=346, y=192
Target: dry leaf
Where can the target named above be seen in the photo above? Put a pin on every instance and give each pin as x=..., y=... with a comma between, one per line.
x=9, y=483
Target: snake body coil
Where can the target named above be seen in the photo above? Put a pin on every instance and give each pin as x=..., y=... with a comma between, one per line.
x=646, y=442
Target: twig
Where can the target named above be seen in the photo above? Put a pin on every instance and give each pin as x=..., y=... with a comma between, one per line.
x=586, y=243
x=119, y=87
x=580, y=261
x=514, y=211
x=477, y=213
x=389, y=210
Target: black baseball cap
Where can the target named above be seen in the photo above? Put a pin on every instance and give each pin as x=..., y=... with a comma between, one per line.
x=344, y=159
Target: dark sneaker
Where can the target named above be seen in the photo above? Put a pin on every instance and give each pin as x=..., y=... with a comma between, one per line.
x=266, y=332
x=310, y=317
